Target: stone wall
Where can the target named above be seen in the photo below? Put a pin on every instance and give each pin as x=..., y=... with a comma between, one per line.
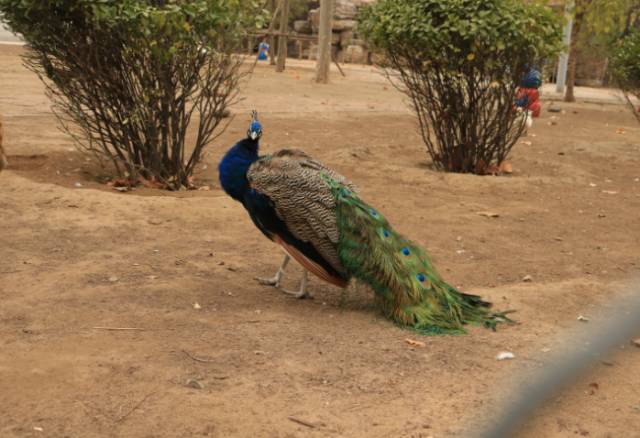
x=345, y=44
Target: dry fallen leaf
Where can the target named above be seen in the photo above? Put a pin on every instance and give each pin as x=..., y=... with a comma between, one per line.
x=151, y=184
x=506, y=167
x=415, y=343
x=488, y=214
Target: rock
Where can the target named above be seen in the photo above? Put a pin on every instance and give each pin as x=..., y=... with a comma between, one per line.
x=361, y=3
x=302, y=26
x=636, y=342
x=554, y=109
x=582, y=318
x=354, y=54
x=345, y=9
x=505, y=355
x=343, y=24
x=346, y=37
x=527, y=278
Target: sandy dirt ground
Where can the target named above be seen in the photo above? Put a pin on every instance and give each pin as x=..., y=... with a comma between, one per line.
x=77, y=257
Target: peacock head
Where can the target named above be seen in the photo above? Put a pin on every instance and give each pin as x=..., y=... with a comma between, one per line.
x=255, y=129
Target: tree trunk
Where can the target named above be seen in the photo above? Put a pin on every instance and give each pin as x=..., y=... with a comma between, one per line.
x=581, y=10
x=324, y=42
x=272, y=40
x=282, y=39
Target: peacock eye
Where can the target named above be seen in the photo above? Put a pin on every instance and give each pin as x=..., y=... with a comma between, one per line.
x=373, y=213
x=406, y=251
x=385, y=233
x=421, y=278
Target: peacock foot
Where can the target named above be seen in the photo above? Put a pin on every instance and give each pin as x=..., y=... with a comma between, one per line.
x=302, y=293
x=299, y=294
x=273, y=281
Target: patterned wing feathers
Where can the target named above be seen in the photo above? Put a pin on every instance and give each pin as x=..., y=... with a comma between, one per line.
x=302, y=198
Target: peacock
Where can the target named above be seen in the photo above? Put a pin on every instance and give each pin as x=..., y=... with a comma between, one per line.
x=317, y=217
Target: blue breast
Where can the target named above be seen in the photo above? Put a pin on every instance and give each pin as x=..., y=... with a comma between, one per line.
x=233, y=170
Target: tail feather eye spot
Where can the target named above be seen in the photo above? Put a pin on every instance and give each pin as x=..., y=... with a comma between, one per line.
x=386, y=233
x=373, y=213
x=406, y=251
x=421, y=278
x=345, y=192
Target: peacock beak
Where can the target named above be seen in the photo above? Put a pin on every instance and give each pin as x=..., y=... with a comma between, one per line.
x=253, y=135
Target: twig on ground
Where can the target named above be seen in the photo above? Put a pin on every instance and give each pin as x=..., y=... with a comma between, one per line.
x=302, y=422
x=197, y=359
x=136, y=406
x=119, y=328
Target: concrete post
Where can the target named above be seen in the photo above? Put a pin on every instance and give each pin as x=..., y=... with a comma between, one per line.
x=324, y=42
x=561, y=76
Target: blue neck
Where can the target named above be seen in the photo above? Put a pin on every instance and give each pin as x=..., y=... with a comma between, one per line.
x=234, y=166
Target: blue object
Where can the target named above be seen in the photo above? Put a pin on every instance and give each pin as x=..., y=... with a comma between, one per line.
x=533, y=79
x=263, y=50
x=523, y=102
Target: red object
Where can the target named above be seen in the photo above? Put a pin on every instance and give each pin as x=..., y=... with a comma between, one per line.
x=529, y=99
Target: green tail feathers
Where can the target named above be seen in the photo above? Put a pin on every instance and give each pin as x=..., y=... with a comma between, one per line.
x=408, y=289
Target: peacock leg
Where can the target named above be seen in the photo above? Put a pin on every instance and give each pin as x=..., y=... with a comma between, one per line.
x=275, y=281
x=303, y=292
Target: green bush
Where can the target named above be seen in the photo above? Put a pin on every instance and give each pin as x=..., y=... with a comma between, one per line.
x=625, y=63
x=460, y=62
x=128, y=77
